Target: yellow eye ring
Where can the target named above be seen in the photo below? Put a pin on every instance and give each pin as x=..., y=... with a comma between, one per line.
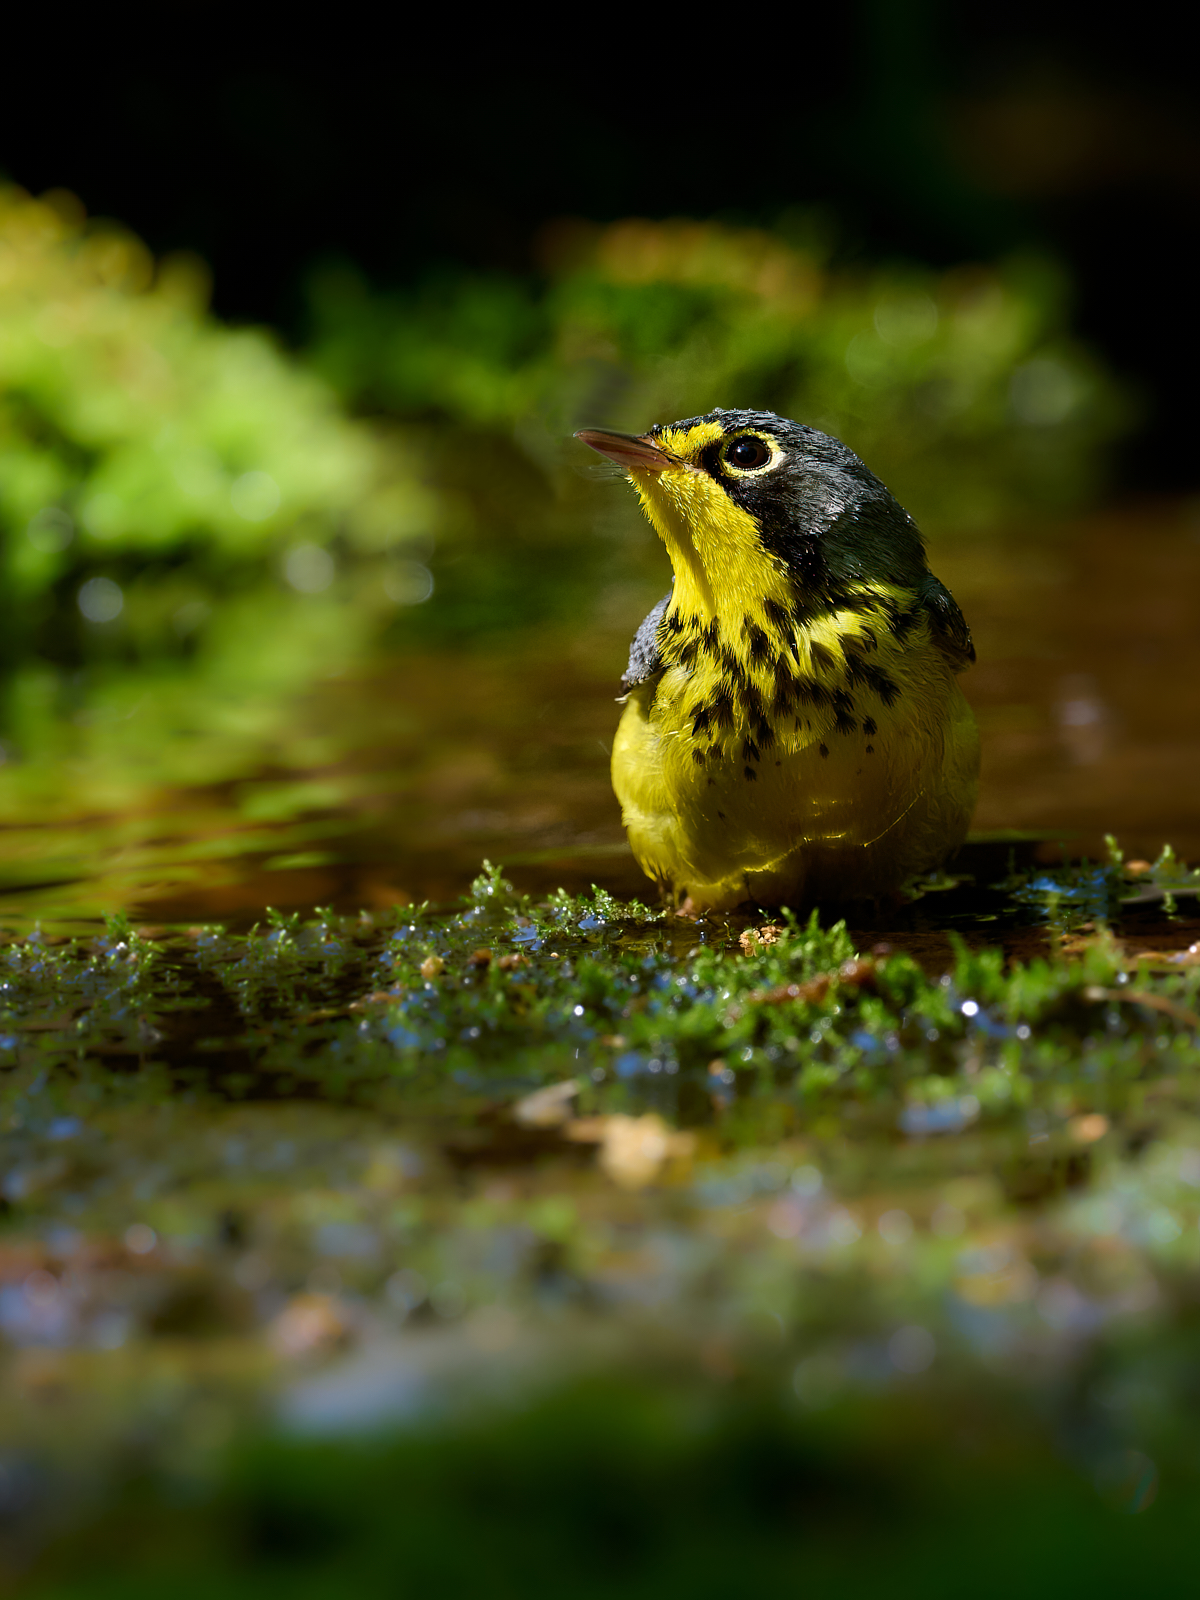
x=747, y=453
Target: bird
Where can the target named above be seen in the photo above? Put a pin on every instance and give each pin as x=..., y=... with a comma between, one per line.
x=793, y=733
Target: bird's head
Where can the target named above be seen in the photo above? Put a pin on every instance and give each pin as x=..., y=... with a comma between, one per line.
x=752, y=507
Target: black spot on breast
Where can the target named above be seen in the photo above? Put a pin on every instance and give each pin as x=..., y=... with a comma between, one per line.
x=721, y=814
x=844, y=723
x=824, y=749
x=750, y=773
x=822, y=658
x=903, y=622
x=721, y=709
x=700, y=718
x=778, y=615
x=869, y=726
x=673, y=622
x=732, y=667
x=749, y=750
x=698, y=757
x=760, y=645
x=764, y=733
x=856, y=667
x=786, y=687
x=870, y=749
x=883, y=686
x=687, y=654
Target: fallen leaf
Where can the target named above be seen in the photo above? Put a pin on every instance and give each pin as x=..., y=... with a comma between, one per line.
x=310, y=1324
x=549, y=1107
x=633, y=1150
x=379, y=997
x=1088, y=1128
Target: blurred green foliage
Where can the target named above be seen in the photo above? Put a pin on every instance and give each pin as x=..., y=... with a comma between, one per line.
x=175, y=492
x=192, y=528
x=963, y=390
x=649, y=1488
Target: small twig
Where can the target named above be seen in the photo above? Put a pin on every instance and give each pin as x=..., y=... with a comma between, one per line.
x=1156, y=1002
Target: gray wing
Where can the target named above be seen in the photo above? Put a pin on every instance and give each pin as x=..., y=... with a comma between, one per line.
x=949, y=625
x=644, y=660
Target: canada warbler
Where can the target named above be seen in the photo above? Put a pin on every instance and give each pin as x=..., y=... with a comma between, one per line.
x=793, y=732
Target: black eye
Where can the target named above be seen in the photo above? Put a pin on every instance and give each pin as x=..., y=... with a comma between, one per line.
x=746, y=454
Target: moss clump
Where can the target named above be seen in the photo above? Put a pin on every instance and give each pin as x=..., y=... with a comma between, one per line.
x=181, y=504
x=643, y=1008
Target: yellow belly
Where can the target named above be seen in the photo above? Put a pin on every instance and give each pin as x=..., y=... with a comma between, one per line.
x=827, y=817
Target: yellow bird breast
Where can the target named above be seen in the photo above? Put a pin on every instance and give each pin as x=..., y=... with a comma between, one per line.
x=811, y=803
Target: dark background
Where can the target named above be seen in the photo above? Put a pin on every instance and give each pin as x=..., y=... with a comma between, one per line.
x=406, y=141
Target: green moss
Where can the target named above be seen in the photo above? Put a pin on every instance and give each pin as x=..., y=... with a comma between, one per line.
x=790, y=1199
x=636, y=1004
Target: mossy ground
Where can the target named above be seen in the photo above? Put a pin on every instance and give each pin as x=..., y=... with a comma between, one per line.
x=424, y=1184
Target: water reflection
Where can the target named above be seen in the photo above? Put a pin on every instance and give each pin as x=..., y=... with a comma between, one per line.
x=1087, y=689
x=1082, y=718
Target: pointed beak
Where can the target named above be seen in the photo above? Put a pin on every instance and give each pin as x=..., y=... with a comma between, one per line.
x=634, y=452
